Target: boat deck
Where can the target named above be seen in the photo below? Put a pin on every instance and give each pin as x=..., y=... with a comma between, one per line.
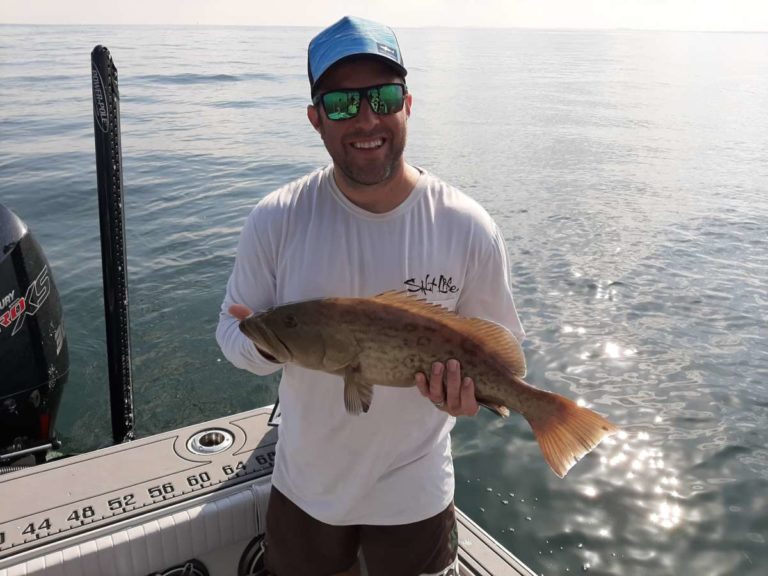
x=159, y=502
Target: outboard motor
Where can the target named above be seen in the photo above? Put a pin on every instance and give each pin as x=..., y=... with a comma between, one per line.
x=34, y=361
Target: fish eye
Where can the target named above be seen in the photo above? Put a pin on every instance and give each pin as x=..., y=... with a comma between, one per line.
x=290, y=321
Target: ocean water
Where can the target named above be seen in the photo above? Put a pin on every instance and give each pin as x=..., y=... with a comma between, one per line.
x=626, y=169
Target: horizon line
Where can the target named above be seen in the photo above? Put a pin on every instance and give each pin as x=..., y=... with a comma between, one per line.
x=411, y=27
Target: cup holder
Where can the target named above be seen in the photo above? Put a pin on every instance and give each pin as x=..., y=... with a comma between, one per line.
x=210, y=441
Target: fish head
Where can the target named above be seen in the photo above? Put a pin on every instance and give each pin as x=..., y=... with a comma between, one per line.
x=258, y=329
x=286, y=332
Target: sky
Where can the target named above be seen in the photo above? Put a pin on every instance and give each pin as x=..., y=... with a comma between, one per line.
x=711, y=15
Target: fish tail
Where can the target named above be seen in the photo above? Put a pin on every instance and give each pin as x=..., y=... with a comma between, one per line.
x=566, y=431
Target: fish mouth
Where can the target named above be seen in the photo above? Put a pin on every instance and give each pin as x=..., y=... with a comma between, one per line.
x=266, y=339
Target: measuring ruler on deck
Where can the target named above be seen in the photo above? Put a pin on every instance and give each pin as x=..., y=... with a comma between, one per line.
x=74, y=495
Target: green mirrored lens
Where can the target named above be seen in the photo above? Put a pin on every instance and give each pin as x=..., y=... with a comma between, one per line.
x=341, y=104
x=345, y=104
x=386, y=99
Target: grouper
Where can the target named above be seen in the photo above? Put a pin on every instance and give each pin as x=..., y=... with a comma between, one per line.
x=386, y=339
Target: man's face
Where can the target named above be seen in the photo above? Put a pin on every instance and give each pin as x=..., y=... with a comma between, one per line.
x=367, y=149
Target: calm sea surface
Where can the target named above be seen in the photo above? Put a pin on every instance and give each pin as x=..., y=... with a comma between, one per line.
x=627, y=170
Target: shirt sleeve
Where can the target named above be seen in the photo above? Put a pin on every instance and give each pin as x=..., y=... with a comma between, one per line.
x=252, y=284
x=487, y=293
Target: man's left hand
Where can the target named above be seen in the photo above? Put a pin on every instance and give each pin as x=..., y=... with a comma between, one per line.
x=447, y=390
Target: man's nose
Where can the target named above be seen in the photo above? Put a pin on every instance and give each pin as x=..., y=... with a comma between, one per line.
x=366, y=116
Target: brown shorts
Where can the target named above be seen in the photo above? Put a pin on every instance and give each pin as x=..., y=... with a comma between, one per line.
x=299, y=545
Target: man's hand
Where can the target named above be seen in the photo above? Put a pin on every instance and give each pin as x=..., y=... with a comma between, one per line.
x=447, y=390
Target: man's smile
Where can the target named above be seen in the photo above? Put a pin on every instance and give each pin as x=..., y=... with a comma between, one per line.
x=368, y=142
x=371, y=144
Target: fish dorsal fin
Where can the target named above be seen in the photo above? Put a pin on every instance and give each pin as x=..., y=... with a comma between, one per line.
x=496, y=339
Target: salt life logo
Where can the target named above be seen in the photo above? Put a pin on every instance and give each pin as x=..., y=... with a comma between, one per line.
x=100, y=105
x=431, y=284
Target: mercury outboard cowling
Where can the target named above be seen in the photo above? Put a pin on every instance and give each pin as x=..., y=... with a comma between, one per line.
x=34, y=361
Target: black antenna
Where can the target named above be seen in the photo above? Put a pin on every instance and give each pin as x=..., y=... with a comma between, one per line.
x=109, y=171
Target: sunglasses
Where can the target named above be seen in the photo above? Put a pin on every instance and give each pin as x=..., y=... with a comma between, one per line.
x=345, y=104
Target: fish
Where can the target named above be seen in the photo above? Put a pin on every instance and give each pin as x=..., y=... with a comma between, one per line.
x=386, y=339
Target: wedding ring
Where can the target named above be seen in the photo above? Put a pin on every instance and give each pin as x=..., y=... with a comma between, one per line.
x=439, y=404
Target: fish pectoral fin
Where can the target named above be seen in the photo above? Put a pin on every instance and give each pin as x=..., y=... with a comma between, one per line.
x=358, y=394
x=340, y=352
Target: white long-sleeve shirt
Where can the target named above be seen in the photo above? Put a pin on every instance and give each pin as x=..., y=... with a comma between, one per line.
x=306, y=240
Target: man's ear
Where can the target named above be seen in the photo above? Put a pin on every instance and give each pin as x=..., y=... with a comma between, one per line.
x=408, y=104
x=313, y=115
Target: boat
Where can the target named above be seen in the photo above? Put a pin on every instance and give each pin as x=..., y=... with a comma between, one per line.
x=187, y=502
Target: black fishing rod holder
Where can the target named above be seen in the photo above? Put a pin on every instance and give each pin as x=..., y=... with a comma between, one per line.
x=109, y=170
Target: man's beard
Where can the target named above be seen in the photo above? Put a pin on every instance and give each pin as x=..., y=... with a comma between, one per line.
x=371, y=174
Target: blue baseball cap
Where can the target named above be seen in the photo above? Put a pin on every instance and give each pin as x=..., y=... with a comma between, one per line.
x=352, y=36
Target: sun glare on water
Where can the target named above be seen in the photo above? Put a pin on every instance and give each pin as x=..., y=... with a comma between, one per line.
x=647, y=472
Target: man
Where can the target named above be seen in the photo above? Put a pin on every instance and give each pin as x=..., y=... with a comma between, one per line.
x=381, y=482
